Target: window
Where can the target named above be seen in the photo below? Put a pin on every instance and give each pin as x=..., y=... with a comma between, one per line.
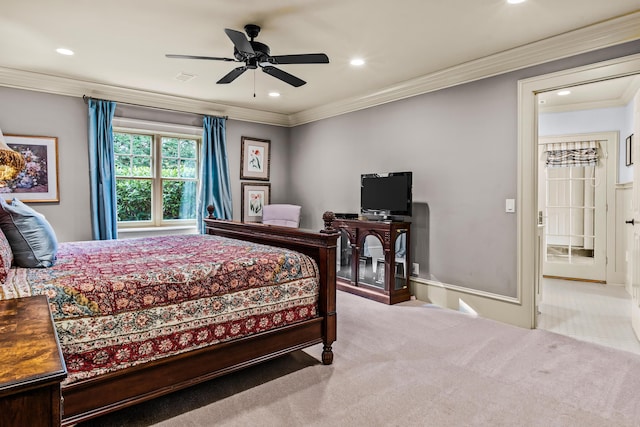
x=156, y=178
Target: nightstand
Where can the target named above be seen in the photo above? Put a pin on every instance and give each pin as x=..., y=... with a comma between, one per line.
x=31, y=364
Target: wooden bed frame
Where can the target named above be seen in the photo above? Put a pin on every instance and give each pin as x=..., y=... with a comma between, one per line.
x=93, y=397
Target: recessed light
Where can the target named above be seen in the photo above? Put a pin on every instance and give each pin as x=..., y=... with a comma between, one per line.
x=515, y=1
x=564, y=92
x=274, y=94
x=357, y=62
x=63, y=51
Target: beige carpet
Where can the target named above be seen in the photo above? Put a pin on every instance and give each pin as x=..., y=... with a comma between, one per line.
x=415, y=365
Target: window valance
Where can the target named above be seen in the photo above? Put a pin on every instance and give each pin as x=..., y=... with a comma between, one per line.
x=572, y=154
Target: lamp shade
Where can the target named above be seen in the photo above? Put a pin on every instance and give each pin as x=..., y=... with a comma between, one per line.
x=11, y=162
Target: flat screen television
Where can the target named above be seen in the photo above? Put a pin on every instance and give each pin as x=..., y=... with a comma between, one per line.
x=386, y=194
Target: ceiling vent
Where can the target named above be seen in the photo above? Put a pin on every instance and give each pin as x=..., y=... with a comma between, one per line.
x=185, y=77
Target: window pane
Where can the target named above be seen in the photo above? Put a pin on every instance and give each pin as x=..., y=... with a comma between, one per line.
x=169, y=147
x=188, y=148
x=142, y=166
x=178, y=199
x=170, y=168
x=123, y=165
x=121, y=143
x=187, y=169
x=133, y=199
x=142, y=145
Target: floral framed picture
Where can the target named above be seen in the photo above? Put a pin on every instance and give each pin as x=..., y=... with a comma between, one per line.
x=254, y=197
x=38, y=181
x=255, y=158
x=629, y=156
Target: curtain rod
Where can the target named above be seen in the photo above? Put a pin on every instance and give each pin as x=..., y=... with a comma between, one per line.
x=86, y=99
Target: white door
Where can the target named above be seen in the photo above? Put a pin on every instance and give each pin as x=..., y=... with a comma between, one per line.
x=634, y=259
x=573, y=204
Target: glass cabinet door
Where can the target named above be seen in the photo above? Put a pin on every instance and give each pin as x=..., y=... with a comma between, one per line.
x=401, y=261
x=343, y=256
x=371, y=266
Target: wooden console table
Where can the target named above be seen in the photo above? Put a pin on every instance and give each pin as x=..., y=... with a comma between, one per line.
x=31, y=364
x=383, y=278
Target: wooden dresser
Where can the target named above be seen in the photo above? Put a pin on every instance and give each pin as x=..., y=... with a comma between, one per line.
x=31, y=364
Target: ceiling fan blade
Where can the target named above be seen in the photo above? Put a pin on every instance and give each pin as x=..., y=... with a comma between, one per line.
x=232, y=75
x=308, y=58
x=283, y=75
x=240, y=41
x=213, y=58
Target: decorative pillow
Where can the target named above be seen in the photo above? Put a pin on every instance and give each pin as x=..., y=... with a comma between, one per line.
x=6, y=257
x=32, y=239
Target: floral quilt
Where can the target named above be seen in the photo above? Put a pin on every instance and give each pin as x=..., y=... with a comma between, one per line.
x=119, y=303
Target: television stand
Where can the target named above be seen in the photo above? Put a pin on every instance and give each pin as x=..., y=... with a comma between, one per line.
x=373, y=259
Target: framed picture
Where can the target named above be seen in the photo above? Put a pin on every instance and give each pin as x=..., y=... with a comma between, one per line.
x=255, y=158
x=254, y=197
x=38, y=181
x=629, y=147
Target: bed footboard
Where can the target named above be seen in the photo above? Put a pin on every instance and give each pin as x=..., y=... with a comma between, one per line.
x=321, y=246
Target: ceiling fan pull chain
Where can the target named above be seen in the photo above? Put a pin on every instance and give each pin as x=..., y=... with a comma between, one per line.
x=254, y=83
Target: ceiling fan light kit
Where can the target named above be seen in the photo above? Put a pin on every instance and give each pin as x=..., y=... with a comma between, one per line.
x=258, y=55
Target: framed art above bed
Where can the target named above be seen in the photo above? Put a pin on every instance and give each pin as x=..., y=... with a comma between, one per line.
x=38, y=181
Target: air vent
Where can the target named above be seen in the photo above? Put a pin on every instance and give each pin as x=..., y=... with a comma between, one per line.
x=185, y=77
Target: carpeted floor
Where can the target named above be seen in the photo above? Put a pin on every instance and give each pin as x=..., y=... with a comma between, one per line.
x=413, y=364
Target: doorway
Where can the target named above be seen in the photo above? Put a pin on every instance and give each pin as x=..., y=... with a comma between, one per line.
x=576, y=183
x=528, y=169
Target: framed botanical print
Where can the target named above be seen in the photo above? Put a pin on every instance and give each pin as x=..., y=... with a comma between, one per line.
x=254, y=197
x=255, y=158
x=38, y=181
x=629, y=152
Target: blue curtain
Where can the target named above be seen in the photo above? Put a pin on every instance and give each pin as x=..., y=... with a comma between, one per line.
x=102, y=170
x=215, y=187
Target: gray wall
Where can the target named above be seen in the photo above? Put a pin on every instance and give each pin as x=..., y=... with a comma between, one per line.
x=461, y=144
x=279, y=170
x=34, y=113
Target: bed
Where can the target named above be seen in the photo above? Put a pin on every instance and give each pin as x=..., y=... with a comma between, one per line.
x=140, y=318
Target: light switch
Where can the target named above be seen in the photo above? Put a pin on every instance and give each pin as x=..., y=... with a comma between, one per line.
x=510, y=205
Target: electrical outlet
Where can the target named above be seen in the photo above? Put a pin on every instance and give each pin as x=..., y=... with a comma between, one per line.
x=415, y=269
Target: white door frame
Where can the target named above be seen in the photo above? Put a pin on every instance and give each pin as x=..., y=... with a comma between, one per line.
x=527, y=270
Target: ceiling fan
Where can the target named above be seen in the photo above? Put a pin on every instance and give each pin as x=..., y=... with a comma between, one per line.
x=255, y=54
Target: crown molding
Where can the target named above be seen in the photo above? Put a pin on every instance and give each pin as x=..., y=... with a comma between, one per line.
x=592, y=105
x=597, y=36
x=29, y=80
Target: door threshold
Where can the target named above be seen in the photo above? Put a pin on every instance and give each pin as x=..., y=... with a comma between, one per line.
x=602, y=282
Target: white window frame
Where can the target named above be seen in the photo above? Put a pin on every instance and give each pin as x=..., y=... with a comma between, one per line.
x=158, y=130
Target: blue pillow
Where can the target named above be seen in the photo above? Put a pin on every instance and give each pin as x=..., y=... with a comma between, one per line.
x=32, y=239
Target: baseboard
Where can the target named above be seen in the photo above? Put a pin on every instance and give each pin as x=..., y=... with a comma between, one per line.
x=491, y=306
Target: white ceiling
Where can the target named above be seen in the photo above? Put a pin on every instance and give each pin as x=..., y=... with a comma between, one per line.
x=121, y=45
x=603, y=94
